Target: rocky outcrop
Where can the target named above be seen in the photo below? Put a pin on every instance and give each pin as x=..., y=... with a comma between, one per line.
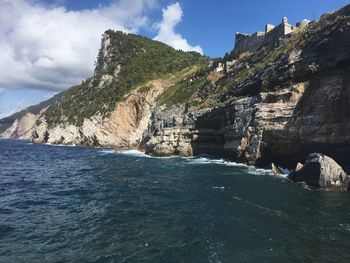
x=273, y=106
x=296, y=105
x=123, y=128
x=21, y=127
x=322, y=171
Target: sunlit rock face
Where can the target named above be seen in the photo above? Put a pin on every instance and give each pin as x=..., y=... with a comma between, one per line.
x=273, y=105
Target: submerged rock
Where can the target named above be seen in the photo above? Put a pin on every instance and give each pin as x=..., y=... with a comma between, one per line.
x=321, y=171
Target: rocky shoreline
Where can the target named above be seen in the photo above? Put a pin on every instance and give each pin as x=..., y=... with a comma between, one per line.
x=276, y=105
x=319, y=171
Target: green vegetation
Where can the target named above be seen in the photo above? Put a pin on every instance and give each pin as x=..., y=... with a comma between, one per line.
x=138, y=60
x=257, y=62
x=144, y=89
x=183, y=90
x=229, y=56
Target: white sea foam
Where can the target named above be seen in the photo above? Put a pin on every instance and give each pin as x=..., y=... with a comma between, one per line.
x=135, y=153
x=169, y=157
x=251, y=169
x=204, y=160
x=195, y=160
x=107, y=151
x=345, y=227
x=60, y=145
x=219, y=187
x=259, y=171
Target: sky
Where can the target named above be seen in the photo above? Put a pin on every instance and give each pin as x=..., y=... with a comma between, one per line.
x=47, y=46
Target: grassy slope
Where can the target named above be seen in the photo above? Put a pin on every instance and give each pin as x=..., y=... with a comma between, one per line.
x=141, y=60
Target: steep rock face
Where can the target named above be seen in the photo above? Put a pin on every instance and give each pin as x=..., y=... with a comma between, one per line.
x=274, y=105
x=235, y=131
x=295, y=105
x=21, y=127
x=123, y=128
x=113, y=107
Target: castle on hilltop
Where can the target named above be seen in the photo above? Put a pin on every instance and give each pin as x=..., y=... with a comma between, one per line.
x=273, y=35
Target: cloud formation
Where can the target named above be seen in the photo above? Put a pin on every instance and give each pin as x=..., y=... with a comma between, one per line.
x=52, y=48
x=172, y=15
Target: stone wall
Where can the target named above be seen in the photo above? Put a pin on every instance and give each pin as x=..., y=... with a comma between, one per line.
x=273, y=36
x=245, y=42
x=302, y=108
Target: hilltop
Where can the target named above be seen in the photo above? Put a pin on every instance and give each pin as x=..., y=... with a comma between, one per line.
x=275, y=101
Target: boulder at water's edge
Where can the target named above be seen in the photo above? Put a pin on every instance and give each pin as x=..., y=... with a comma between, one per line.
x=321, y=171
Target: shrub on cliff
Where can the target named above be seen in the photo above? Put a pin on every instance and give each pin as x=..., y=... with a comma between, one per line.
x=137, y=60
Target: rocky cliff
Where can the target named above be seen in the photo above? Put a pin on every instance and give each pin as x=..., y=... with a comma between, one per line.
x=276, y=104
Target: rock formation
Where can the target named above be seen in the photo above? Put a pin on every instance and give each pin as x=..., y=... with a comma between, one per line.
x=321, y=171
x=276, y=104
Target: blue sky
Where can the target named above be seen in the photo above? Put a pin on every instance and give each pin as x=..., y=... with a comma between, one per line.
x=55, y=50
x=212, y=24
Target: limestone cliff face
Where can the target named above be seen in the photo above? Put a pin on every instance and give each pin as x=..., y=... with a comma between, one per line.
x=113, y=107
x=123, y=128
x=21, y=127
x=275, y=105
x=296, y=105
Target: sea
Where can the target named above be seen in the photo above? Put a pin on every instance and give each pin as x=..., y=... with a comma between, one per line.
x=76, y=204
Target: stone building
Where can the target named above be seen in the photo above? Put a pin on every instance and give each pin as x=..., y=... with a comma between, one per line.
x=272, y=36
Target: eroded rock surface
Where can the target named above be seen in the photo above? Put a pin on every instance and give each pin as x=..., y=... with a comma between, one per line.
x=276, y=105
x=322, y=171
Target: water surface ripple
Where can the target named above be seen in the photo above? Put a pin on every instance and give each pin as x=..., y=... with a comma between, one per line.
x=72, y=204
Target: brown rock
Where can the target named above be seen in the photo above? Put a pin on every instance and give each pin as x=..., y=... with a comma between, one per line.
x=299, y=167
x=275, y=169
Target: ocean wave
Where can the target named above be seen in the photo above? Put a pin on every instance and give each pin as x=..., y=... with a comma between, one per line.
x=106, y=151
x=195, y=160
x=251, y=169
x=205, y=160
x=260, y=171
x=345, y=227
x=60, y=145
x=219, y=187
x=134, y=153
x=137, y=153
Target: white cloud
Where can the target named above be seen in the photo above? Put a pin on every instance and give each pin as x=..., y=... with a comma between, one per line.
x=51, y=48
x=1, y=91
x=172, y=15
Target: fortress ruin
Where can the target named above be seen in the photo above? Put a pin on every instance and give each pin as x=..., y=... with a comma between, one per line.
x=273, y=35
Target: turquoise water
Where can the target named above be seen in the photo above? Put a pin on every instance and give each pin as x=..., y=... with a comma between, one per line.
x=72, y=204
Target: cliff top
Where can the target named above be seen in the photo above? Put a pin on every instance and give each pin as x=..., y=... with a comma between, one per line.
x=124, y=61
